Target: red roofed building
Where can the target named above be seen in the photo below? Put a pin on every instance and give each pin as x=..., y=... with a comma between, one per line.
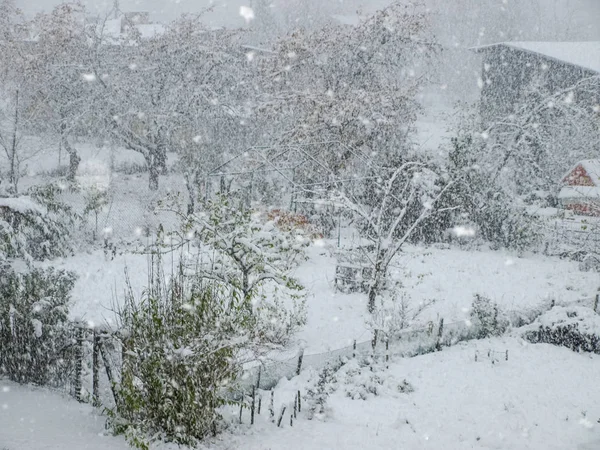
x=581, y=188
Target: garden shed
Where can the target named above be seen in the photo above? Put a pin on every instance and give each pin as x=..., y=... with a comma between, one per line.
x=580, y=192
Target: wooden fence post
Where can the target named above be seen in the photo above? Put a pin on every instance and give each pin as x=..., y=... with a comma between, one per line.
x=95, y=369
x=259, y=403
x=78, y=361
x=354, y=349
x=374, y=343
x=241, y=409
x=299, y=402
x=300, y=357
x=272, y=407
x=281, y=416
x=295, y=404
x=438, y=346
x=596, y=302
x=258, y=377
x=109, y=374
x=252, y=405
x=387, y=353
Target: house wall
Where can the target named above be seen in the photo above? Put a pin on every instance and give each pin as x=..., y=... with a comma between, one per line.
x=582, y=207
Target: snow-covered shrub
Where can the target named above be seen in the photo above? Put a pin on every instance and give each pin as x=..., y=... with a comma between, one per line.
x=182, y=344
x=34, y=336
x=395, y=313
x=317, y=395
x=275, y=323
x=249, y=256
x=360, y=382
x=483, y=201
x=36, y=226
x=487, y=317
x=575, y=327
x=95, y=200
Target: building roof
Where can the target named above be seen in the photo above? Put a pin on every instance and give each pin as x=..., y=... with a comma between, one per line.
x=112, y=30
x=592, y=169
x=579, y=192
x=584, y=54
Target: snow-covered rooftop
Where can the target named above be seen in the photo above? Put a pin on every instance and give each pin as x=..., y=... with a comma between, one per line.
x=113, y=33
x=582, y=54
x=150, y=30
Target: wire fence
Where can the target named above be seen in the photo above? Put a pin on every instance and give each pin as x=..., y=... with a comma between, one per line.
x=407, y=343
x=570, y=235
x=91, y=367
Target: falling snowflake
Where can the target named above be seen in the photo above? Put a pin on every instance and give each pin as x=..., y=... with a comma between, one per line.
x=89, y=77
x=462, y=231
x=247, y=13
x=569, y=98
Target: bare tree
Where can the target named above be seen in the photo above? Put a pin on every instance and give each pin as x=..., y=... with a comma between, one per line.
x=408, y=195
x=16, y=106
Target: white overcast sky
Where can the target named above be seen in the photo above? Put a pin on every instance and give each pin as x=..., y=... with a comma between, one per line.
x=226, y=12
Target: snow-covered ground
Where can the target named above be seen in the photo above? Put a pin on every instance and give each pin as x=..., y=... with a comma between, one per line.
x=38, y=419
x=450, y=276
x=543, y=397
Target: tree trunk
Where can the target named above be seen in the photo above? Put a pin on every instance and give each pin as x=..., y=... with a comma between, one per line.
x=161, y=153
x=74, y=159
x=151, y=162
x=14, y=168
x=246, y=291
x=191, y=185
x=375, y=287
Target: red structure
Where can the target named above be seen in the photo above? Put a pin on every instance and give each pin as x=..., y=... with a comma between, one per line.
x=581, y=188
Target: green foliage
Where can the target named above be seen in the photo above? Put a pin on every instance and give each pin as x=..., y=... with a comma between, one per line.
x=181, y=348
x=250, y=257
x=33, y=316
x=495, y=212
x=487, y=317
x=276, y=324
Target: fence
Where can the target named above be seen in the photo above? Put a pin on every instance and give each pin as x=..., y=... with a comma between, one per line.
x=93, y=361
x=407, y=343
x=90, y=364
x=573, y=234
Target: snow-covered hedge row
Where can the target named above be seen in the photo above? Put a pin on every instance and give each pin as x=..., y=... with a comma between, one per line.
x=576, y=327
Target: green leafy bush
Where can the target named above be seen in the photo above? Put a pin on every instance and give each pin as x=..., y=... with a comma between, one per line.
x=34, y=336
x=181, y=347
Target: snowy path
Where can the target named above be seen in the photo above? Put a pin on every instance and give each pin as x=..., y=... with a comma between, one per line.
x=37, y=419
